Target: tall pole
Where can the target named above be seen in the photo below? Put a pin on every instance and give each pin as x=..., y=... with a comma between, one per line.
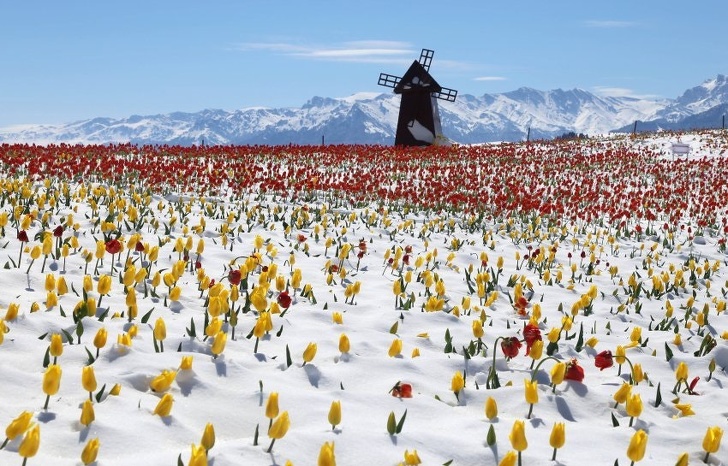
x=634, y=130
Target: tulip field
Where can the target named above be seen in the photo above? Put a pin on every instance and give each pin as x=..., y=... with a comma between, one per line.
x=532, y=304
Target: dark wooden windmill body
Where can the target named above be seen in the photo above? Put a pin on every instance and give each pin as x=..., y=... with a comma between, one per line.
x=418, y=123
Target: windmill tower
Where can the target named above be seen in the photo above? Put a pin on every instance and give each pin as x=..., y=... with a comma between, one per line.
x=419, y=119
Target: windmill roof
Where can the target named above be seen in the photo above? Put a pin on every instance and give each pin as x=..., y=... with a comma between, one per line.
x=417, y=79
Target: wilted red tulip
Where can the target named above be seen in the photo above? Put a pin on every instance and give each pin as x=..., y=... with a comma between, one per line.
x=58, y=231
x=531, y=333
x=23, y=236
x=235, y=276
x=284, y=300
x=510, y=347
x=113, y=246
x=574, y=371
x=401, y=390
x=604, y=360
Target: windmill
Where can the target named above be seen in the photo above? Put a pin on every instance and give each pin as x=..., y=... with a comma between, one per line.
x=419, y=120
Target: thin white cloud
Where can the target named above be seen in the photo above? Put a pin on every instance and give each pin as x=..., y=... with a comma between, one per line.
x=607, y=91
x=489, y=78
x=369, y=51
x=609, y=24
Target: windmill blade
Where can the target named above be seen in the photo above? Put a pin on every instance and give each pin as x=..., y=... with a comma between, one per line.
x=446, y=94
x=426, y=58
x=388, y=80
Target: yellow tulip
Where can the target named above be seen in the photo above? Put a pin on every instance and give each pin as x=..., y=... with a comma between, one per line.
x=636, y=448
x=87, y=413
x=637, y=373
x=411, y=458
x=554, y=334
x=531, y=391
x=18, y=425
x=198, y=457
x=633, y=406
x=478, y=329
x=51, y=381
x=90, y=451
x=115, y=390
x=213, y=327
x=557, y=437
x=279, y=428
x=56, y=345
x=536, y=350
x=163, y=381
x=186, y=363
x=326, y=455
x=208, y=437
x=104, y=285
x=711, y=441
x=309, y=353
x=218, y=345
x=61, y=286
x=620, y=396
x=31, y=441
x=335, y=414
x=395, y=348
x=457, y=383
x=619, y=354
x=415, y=352
x=681, y=372
x=12, y=312
x=175, y=293
x=164, y=406
x=557, y=373
x=88, y=379
x=518, y=436
x=160, y=329
x=3, y=330
x=344, y=344
x=337, y=318
x=50, y=282
x=491, y=408
x=509, y=459
x=271, y=406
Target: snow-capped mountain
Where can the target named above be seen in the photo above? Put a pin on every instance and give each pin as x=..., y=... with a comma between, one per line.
x=368, y=118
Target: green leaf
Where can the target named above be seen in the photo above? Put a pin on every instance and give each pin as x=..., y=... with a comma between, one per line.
x=394, y=327
x=179, y=460
x=668, y=353
x=69, y=338
x=100, y=394
x=615, y=422
x=42, y=337
x=658, y=398
x=145, y=317
x=400, y=424
x=289, y=362
x=47, y=357
x=255, y=436
x=91, y=357
x=580, y=341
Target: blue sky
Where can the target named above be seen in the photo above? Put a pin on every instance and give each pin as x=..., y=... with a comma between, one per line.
x=62, y=61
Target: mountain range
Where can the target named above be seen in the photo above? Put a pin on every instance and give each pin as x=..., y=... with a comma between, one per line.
x=369, y=118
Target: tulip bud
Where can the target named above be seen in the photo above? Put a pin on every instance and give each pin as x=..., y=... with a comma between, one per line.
x=18, y=425
x=335, y=414
x=411, y=458
x=558, y=436
x=186, y=363
x=310, y=352
x=620, y=396
x=198, y=457
x=557, y=373
x=326, y=455
x=163, y=381
x=509, y=459
x=271, y=406
x=31, y=441
x=344, y=344
x=90, y=451
x=218, y=345
x=164, y=407
x=115, y=390
x=531, y=391
x=208, y=437
x=160, y=329
x=280, y=426
x=56, y=345
x=711, y=441
x=491, y=408
x=637, y=445
x=88, y=379
x=52, y=379
x=457, y=383
x=395, y=348
x=87, y=413
x=337, y=318
x=518, y=436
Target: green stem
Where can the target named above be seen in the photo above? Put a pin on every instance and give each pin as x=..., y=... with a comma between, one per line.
x=530, y=410
x=4, y=443
x=45, y=406
x=270, y=447
x=535, y=371
x=553, y=457
x=519, y=459
x=707, y=454
x=25, y=460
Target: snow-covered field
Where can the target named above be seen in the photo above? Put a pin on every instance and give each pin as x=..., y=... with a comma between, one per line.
x=388, y=297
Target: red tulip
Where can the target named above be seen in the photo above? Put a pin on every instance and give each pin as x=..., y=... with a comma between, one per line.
x=58, y=231
x=574, y=371
x=531, y=333
x=235, y=276
x=113, y=246
x=604, y=360
x=401, y=390
x=510, y=347
x=23, y=236
x=284, y=300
